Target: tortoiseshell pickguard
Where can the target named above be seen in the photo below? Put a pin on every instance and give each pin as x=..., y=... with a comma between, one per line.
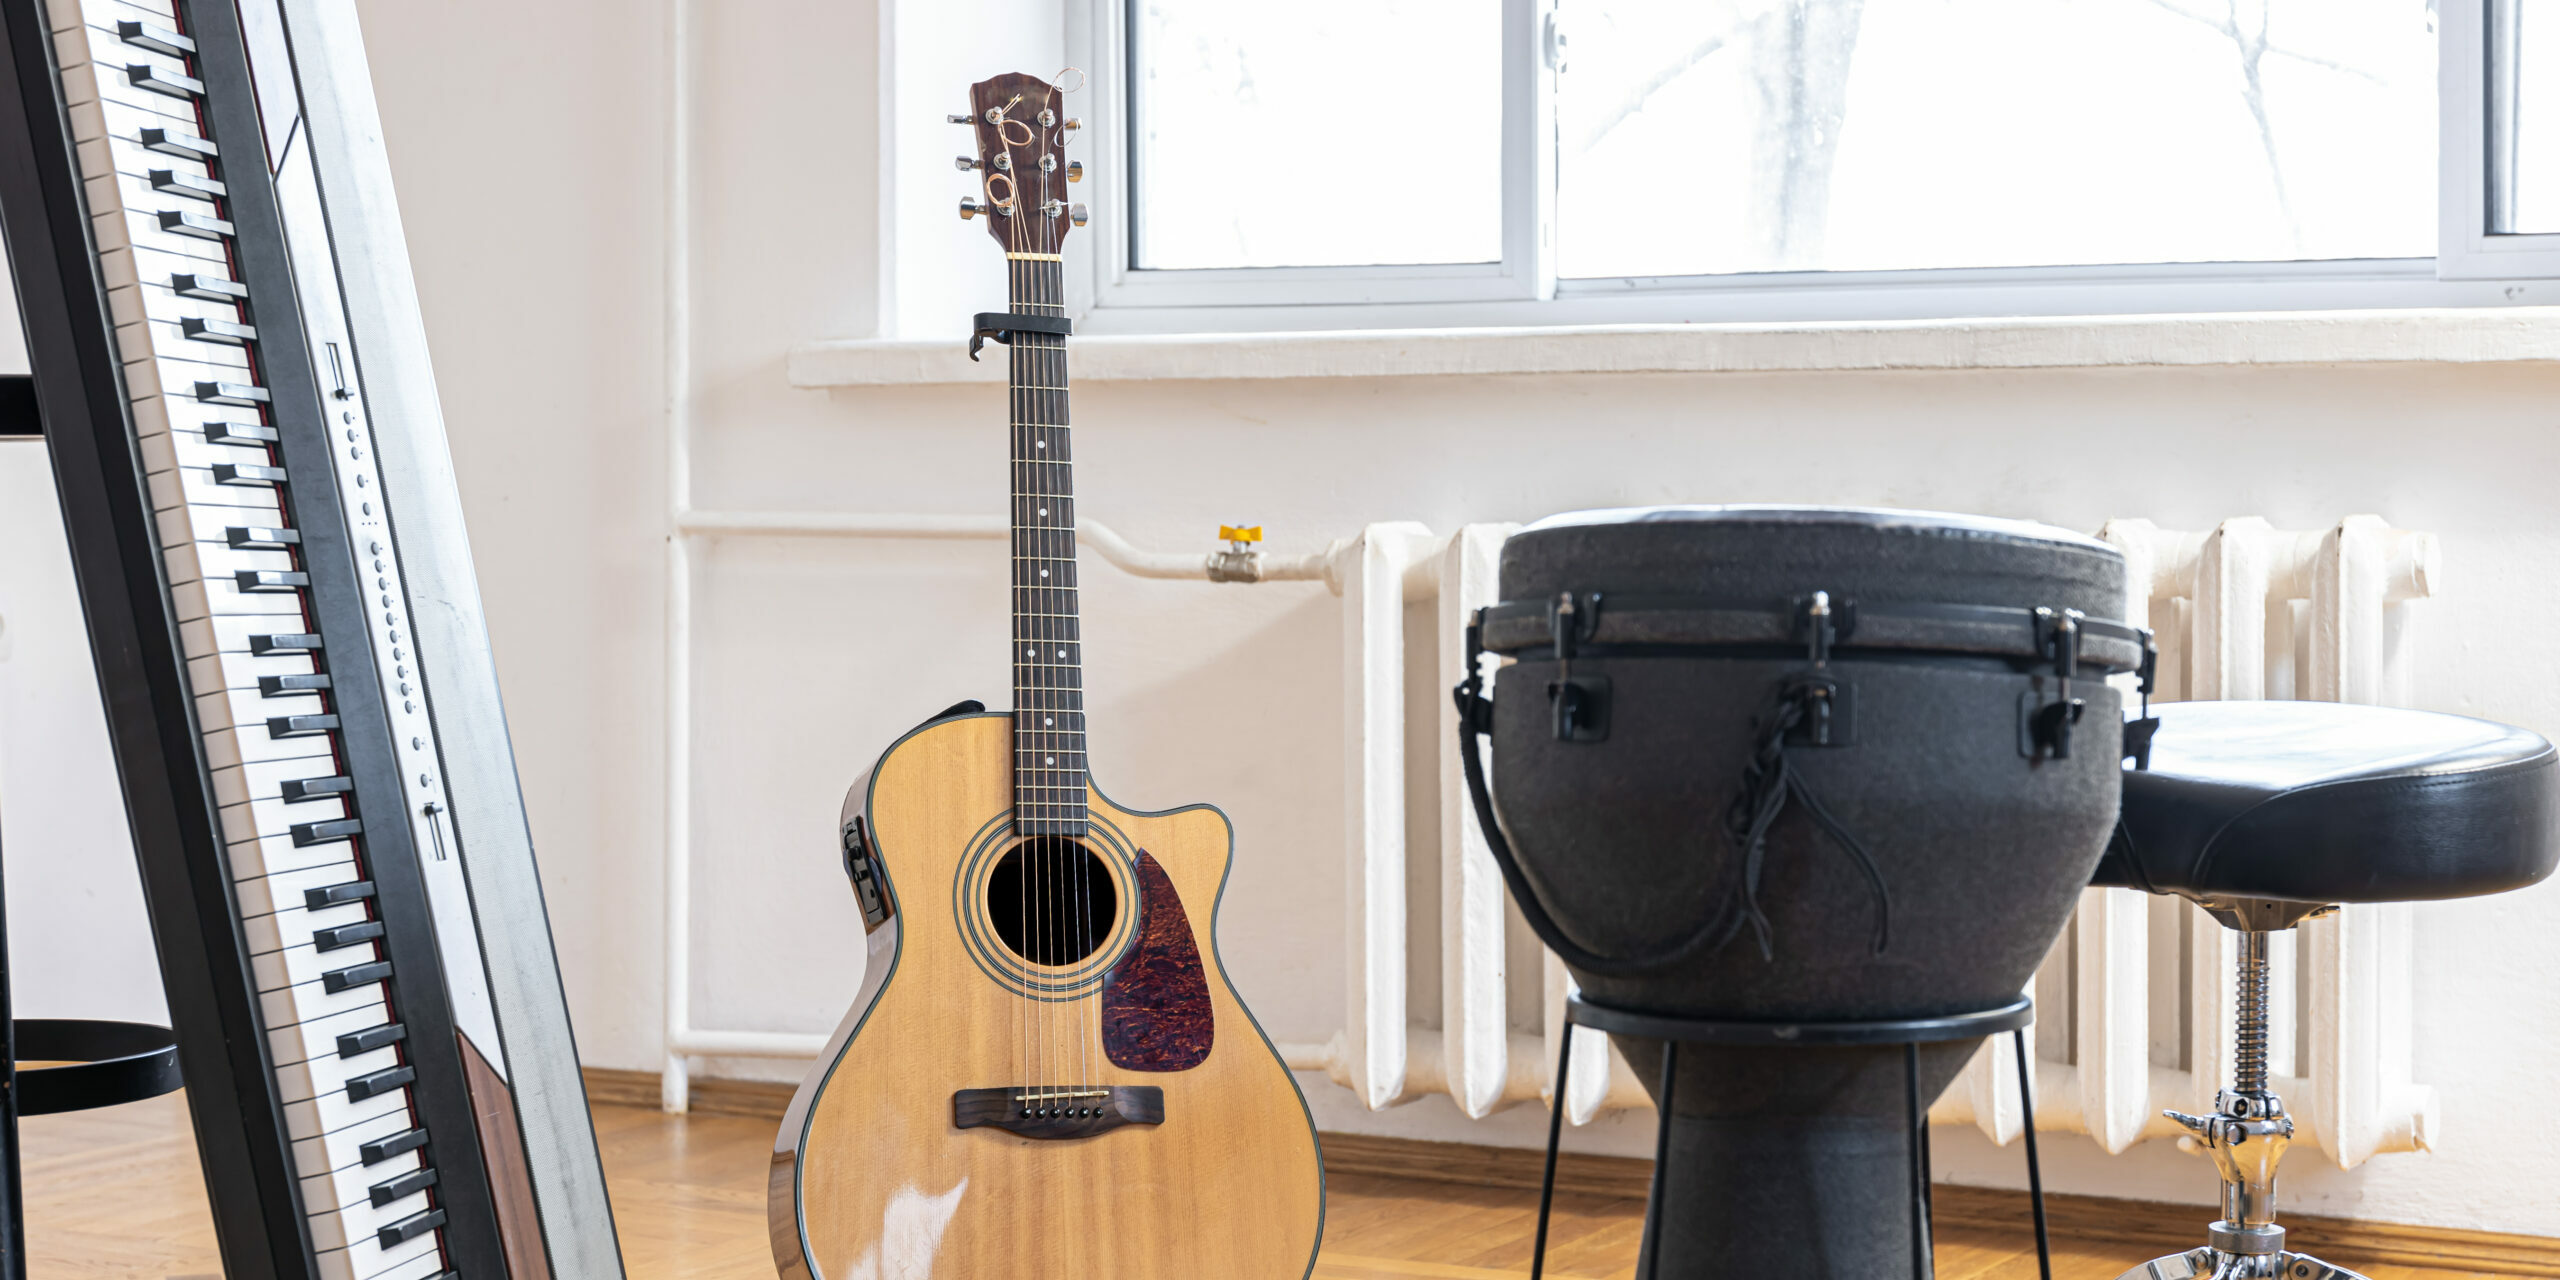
x=1155, y=1002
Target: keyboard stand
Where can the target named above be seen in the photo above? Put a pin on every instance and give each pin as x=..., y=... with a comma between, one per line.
x=103, y=1063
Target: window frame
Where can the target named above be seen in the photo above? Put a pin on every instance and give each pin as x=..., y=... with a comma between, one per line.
x=2469, y=73
x=1116, y=296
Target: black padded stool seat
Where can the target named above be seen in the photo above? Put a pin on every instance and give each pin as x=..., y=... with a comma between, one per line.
x=2323, y=802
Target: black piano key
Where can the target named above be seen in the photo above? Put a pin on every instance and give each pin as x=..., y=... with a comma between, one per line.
x=238, y=433
x=274, y=685
x=164, y=82
x=381, y=1149
x=337, y=895
x=171, y=182
x=228, y=332
x=143, y=35
x=299, y=726
x=370, y=1039
x=178, y=142
x=410, y=1228
x=209, y=288
x=297, y=790
x=263, y=646
x=231, y=393
x=345, y=935
x=306, y=834
x=270, y=580
x=246, y=473
x=379, y=1082
x=354, y=975
x=253, y=538
x=407, y=1184
x=202, y=226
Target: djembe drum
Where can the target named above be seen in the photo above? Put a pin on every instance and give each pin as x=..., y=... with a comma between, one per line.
x=1801, y=767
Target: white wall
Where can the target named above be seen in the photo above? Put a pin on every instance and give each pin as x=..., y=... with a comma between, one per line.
x=530, y=168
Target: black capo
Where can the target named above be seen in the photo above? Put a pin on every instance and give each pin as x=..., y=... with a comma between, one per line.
x=1002, y=325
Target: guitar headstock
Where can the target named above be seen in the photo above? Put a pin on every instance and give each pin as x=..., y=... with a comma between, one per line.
x=1022, y=166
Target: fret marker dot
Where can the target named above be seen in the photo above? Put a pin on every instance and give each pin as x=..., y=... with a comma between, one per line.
x=1044, y=573
x=1050, y=760
x=1039, y=444
x=1044, y=511
x=1062, y=653
x=1048, y=720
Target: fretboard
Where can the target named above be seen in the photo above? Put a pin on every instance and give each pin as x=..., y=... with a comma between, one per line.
x=1048, y=649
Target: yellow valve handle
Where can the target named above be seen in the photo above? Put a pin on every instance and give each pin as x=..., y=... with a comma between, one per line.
x=1233, y=533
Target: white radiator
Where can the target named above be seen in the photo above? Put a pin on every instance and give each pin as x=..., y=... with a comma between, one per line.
x=2135, y=1003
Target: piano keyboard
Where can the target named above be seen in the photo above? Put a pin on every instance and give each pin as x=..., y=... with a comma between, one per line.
x=349, y=891
x=227, y=515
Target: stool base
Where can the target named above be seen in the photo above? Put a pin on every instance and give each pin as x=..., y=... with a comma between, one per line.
x=2207, y=1264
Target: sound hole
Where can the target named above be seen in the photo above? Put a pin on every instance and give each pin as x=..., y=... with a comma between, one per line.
x=1052, y=901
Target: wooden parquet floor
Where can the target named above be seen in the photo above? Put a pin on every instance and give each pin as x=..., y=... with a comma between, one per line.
x=115, y=1193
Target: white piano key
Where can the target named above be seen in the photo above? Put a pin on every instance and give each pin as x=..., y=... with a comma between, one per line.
x=249, y=710
x=224, y=750
x=318, y=1037
x=242, y=670
x=292, y=1005
x=352, y=1185
x=366, y=1259
x=185, y=525
x=219, y=597
x=155, y=300
x=315, y=1116
x=140, y=229
x=190, y=449
x=168, y=342
x=326, y=1153
x=266, y=895
x=265, y=780
x=320, y=1076
x=294, y=926
x=269, y=855
x=107, y=13
x=195, y=561
x=262, y=818
x=196, y=486
x=112, y=70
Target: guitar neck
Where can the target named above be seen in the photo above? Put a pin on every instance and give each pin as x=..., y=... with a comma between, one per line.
x=1048, y=647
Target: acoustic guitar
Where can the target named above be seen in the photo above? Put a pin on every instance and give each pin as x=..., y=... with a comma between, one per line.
x=1045, y=1074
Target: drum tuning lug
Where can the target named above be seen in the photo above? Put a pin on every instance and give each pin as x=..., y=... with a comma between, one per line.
x=1824, y=622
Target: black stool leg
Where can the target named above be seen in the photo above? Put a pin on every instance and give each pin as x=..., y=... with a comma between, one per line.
x=1555, y=1135
x=1921, y=1262
x=1661, y=1164
x=2035, y=1174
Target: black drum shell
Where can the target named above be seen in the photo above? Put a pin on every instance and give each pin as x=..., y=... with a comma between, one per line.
x=1983, y=850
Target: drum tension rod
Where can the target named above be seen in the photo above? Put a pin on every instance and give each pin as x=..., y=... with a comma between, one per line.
x=1580, y=703
x=1821, y=623
x=2045, y=727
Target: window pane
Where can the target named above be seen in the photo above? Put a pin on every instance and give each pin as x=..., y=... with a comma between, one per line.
x=1710, y=136
x=1320, y=133
x=2537, y=157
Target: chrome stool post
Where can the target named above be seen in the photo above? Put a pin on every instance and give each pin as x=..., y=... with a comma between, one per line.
x=2248, y=1130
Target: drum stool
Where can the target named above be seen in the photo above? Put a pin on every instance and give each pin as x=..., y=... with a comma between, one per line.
x=2267, y=814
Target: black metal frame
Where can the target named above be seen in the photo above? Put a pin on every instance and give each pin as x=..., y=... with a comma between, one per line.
x=1910, y=1033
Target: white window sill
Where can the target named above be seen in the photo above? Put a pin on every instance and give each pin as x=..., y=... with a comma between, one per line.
x=2430, y=336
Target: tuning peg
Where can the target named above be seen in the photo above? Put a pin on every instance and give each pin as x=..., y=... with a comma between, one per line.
x=1075, y=171
x=970, y=209
x=1067, y=131
x=964, y=163
x=1075, y=214
x=961, y=118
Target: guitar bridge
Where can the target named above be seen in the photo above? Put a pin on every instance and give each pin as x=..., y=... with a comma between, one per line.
x=1058, y=1111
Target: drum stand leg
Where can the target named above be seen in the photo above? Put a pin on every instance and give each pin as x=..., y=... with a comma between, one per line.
x=1923, y=1260
x=2246, y=1133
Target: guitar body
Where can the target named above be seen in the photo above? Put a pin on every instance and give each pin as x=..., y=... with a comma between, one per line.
x=872, y=1177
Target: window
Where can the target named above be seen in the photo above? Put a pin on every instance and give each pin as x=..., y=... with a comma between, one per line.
x=1358, y=162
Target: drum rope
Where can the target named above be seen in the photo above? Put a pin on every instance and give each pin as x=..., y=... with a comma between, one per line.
x=1768, y=782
